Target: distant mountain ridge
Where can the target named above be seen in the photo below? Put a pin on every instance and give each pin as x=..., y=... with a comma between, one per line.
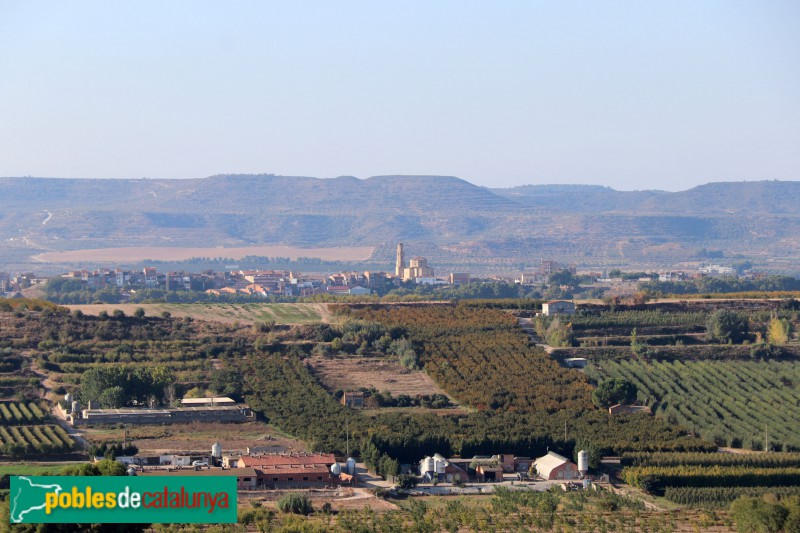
x=451, y=219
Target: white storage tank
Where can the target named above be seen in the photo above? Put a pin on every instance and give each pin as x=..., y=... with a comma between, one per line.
x=336, y=469
x=216, y=450
x=351, y=466
x=427, y=465
x=68, y=398
x=583, y=462
x=76, y=408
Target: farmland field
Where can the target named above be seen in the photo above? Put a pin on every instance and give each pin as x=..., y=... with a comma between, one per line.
x=353, y=373
x=731, y=402
x=288, y=313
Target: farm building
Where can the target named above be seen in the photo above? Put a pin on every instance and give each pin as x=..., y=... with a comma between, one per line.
x=231, y=460
x=489, y=473
x=246, y=478
x=558, y=307
x=353, y=399
x=291, y=469
x=440, y=469
x=225, y=413
x=506, y=462
x=554, y=466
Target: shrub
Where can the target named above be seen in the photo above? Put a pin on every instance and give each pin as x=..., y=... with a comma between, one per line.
x=726, y=327
x=295, y=503
x=407, y=481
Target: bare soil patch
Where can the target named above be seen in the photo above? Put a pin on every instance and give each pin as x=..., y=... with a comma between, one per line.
x=163, y=253
x=351, y=373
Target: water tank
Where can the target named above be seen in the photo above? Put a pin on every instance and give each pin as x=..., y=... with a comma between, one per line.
x=336, y=469
x=351, y=466
x=583, y=462
x=76, y=408
x=68, y=398
x=216, y=450
x=427, y=465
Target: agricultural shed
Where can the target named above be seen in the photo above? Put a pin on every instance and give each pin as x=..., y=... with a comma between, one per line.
x=554, y=466
x=558, y=307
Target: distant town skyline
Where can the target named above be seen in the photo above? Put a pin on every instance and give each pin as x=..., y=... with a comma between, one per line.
x=625, y=94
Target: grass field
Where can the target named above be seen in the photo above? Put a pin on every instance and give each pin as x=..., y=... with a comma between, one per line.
x=32, y=469
x=243, y=313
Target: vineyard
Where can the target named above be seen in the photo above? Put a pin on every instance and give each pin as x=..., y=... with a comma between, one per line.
x=731, y=403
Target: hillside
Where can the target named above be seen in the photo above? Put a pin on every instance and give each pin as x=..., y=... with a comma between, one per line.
x=454, y=223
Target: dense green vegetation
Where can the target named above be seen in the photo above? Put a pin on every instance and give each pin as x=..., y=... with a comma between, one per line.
x=613, y=391
x=118, y=386
x=766, y=514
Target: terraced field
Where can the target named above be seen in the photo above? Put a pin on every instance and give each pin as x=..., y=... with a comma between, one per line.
x=288, y=313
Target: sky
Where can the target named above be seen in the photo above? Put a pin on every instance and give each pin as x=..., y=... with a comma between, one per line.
x=628, y=94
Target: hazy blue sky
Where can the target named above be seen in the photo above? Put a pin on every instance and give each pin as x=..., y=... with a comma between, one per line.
x=632, y=94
